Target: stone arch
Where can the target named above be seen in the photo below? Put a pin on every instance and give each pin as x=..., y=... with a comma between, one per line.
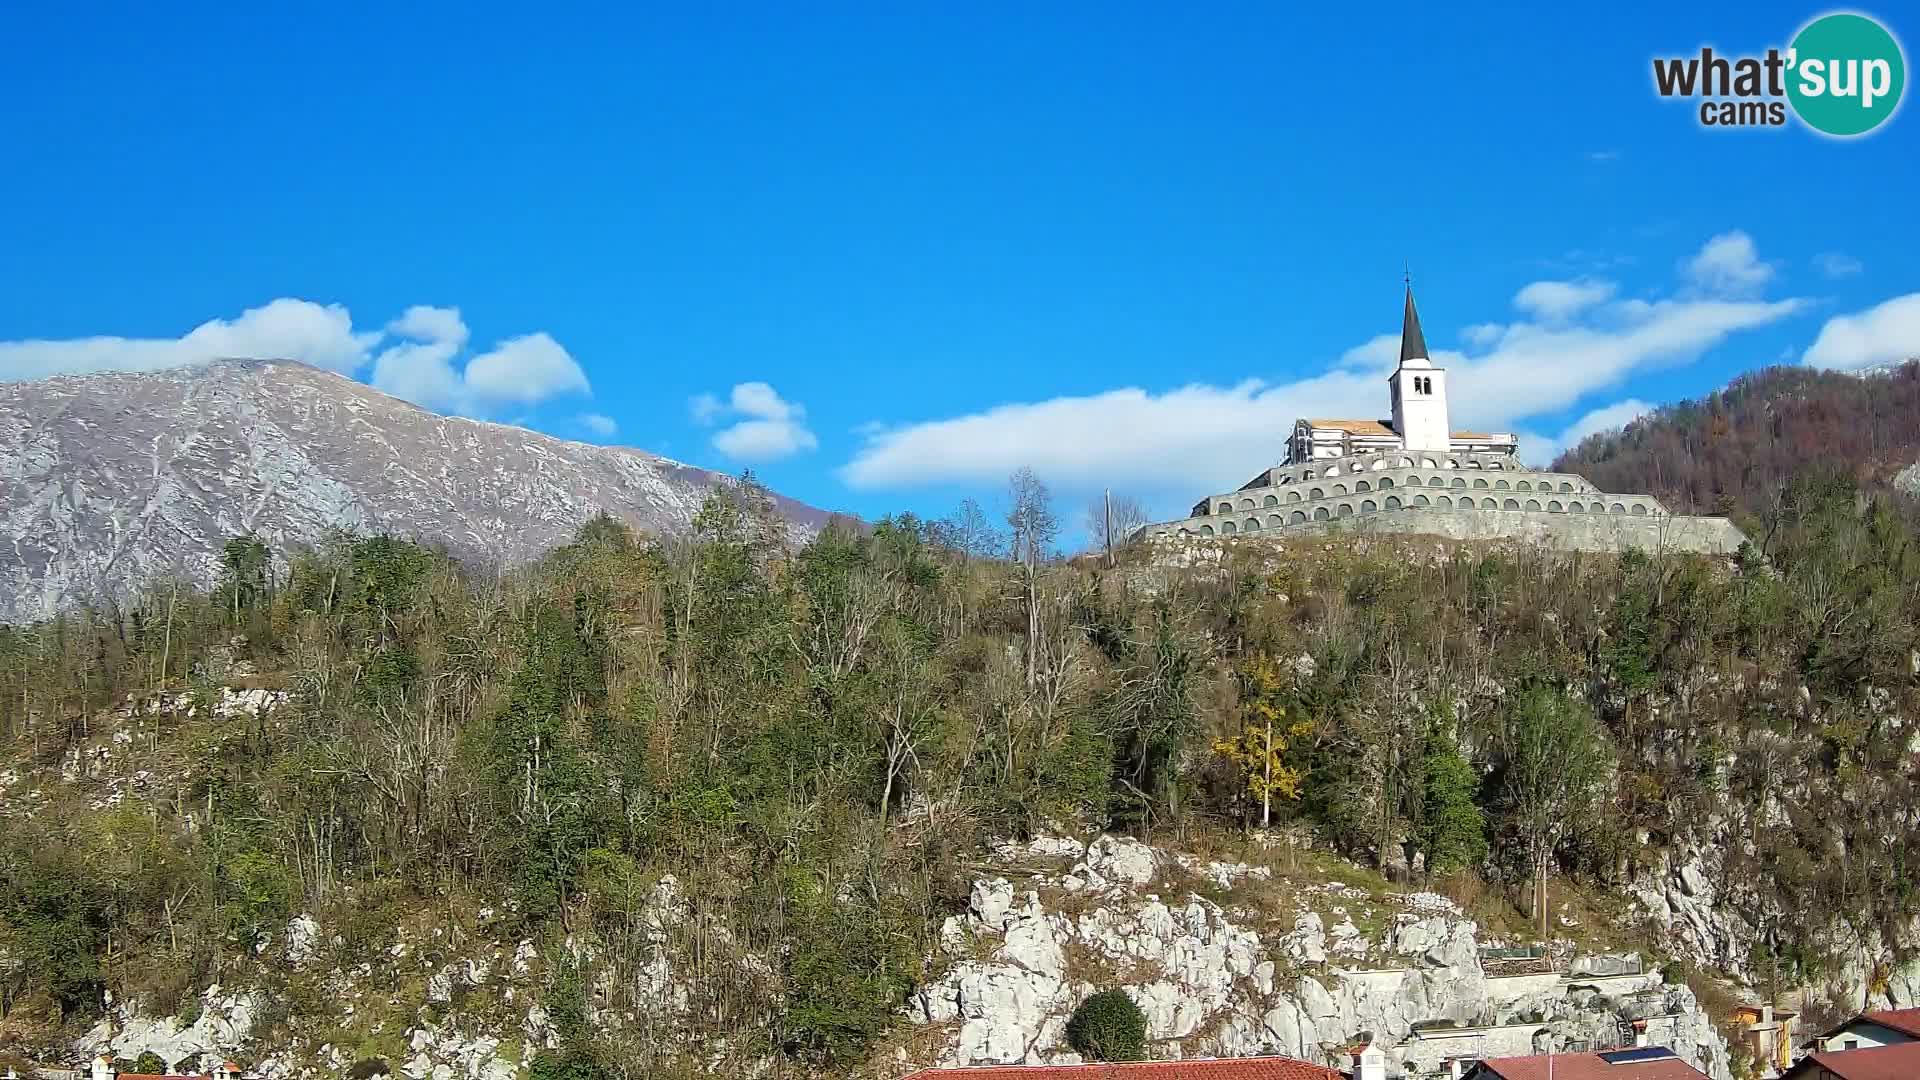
x=1379, y=463
x=1186, y=532
x=1618, y=508
x=1497, y=465
x=1293, y=496
x=1386, y=482
x=1224, y=508
x=1429, y=463
x=1489, y=504
x=1320, y=513
x=1406, y=463
x=1523, y=485
x=1639, y=508
x=1564, y=486
x=1414, y=481
x=1453, y=463
x=1274, y=520
x=1345, y=510
x=1226, y=528
x=1480, y=481
x=1502, y=484
x=1296, y=517
x=1362, y=486
x=1533, y=504
x=1246, y=503
x=1331, y=470
x=1252, y=525
x=1270, y=500
x=1339, y=489
x=1576, y=508
x=1368, y=506
x=1422, y=500
x=1206, y=530
x=1446, y=502
x=1393, y=502
x=1554, y=507
x=1317, y=494
x=1474, y=463
x=1459, y=481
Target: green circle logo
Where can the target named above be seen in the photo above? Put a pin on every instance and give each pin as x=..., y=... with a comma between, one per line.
x=1846, y=74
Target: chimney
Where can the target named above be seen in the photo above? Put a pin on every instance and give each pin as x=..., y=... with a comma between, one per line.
x=103, y=1069
x=1369, y=1062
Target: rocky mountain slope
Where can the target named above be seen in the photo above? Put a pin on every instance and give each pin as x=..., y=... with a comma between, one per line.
x=109, y=481
x=1266, y=949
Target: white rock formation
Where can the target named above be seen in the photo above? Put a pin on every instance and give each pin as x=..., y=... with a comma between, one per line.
x=1210, y=985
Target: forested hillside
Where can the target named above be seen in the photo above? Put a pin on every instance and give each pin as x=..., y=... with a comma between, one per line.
x=1734, y=451
x=807, y=750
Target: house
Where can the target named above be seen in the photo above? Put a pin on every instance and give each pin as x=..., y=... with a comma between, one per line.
x=1900, y=1061
x=1767, y=1035
x=1636, y=1063
x=1886, y=1027
x=1251, y=1068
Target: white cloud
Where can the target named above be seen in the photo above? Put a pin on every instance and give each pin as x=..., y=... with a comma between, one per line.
x=524, y=370
x=284, y=329
x=425, y=323
x=1555, y=301
x=766, y=426
x=1835, y=264
x=418, y=362
x=1196, y=438
x=1729, y=265
x=1606, y=418
x=600, y=424
x=1886, y=333
x=706, y=409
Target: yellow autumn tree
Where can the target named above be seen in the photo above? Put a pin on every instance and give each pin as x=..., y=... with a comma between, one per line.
x=1258, y=750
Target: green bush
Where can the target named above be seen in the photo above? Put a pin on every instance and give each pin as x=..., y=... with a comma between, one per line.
x=1109, y=1027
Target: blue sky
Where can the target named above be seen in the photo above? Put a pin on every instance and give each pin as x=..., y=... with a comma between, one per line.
x=1122, y=243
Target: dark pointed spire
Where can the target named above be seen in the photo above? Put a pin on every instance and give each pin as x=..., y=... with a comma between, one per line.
x=1413, y=344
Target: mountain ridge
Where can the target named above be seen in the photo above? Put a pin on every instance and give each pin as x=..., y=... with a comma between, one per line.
x=111, y=481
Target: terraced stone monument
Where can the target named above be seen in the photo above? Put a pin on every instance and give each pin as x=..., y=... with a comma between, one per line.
x=1414, y=474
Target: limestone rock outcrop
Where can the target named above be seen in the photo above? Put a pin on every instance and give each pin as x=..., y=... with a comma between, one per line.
x=1218, y=980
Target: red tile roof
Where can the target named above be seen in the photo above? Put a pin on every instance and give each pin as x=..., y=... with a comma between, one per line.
x=1588, y=1067
x=1898, y=1062
x=1258, y=1068
x=1355, y=427
x=1904, y=1021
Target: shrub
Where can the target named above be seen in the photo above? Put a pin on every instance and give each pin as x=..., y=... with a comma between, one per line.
x=1109, y=1027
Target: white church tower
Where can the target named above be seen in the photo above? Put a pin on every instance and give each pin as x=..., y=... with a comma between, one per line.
x=1419, y=390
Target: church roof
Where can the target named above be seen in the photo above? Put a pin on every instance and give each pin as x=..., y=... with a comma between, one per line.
x=1356, y=427
x=1413, y=344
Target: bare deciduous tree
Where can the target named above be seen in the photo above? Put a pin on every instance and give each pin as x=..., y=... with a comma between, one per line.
x=1031, y=518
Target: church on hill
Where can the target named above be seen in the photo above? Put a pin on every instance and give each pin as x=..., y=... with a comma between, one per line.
x=1419, y=421
x=1412, y=473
